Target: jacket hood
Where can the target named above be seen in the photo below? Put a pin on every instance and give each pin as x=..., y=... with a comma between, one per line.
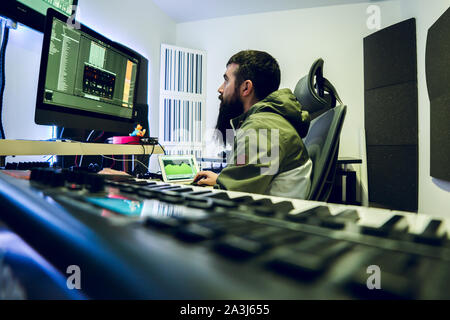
x=284, y=103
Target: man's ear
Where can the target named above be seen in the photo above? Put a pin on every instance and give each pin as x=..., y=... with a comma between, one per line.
x=247, y=88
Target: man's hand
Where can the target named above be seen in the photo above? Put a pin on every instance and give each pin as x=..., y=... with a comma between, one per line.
x=206, y=178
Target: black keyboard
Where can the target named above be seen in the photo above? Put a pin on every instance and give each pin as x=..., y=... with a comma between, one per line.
x=26, y=165
x=150, y=240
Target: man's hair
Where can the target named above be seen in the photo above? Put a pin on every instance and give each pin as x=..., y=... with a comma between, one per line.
x=259, y=67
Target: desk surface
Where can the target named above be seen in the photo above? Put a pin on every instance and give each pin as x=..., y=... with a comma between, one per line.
x=341, y=160
x=348, y=160
x=30, y=147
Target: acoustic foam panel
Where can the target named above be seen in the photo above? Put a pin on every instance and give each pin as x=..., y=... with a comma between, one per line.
x=437, y=57
x=393, y=176
x=440, y=138
x=390, y=62
x=438, y=82
x=385, y=61
x=391, y=115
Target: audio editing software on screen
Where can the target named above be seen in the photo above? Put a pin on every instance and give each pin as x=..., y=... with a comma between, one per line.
x=87, y=74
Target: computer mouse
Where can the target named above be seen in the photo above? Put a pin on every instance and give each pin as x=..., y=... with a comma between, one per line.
x=195, y=184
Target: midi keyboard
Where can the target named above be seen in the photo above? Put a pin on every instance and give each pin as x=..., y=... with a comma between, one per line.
x=141, y=239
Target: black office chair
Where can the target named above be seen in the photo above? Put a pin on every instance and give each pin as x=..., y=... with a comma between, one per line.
x=315, y=93
x=319, y=97
x=322, y=143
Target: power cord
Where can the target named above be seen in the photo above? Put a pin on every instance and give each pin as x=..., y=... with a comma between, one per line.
x=126, y=160
x=162, y=148
x=87, y=140
x=2, y=73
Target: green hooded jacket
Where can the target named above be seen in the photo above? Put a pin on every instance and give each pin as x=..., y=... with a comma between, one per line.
x=268, y=155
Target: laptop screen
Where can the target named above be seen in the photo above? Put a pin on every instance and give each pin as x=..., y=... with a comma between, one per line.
x=178, y=167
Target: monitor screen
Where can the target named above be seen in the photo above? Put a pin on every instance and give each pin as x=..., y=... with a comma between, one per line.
x=32, y=12
x=41, y=6
x=84, y=78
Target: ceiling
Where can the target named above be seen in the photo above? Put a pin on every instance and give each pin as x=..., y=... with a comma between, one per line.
x=192, y=10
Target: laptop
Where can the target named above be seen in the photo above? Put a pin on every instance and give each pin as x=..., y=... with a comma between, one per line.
x=178, y=168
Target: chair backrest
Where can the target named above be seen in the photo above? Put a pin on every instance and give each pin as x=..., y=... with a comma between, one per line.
x=315, y=93
x=322, y=143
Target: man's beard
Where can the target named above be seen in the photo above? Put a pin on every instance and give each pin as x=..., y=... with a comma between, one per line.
x=228, y=110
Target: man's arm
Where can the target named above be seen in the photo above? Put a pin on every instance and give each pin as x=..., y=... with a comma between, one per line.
x=247, y=178
x=256, y=159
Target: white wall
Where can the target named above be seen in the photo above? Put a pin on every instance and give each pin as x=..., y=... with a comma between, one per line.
x=141, y=26
x=23, y=58
x=434, y=194
x=296, y=38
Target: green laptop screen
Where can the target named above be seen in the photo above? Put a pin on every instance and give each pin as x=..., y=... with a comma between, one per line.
x=179, y=168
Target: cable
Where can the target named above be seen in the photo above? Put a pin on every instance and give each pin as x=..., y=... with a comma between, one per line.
x=61, y=134
x=162, y=148
x=87, y=140
x=3, y=76
x=126, y=161
x=59, y=158
x=57, y=139
x=113, y=163
x=143, y=153
x=101, y=135
x=153, y=149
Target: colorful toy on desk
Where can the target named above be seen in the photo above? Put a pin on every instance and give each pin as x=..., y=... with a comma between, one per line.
x=138, y=132
x=133, y=138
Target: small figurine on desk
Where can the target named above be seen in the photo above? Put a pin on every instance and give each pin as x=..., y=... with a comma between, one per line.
x=138, y=132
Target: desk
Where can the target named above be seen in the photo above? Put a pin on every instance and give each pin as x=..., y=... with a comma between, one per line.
x=32, y=148
x=344, y=161
x=344, y=189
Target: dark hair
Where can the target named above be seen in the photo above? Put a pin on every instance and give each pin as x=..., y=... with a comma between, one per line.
x=259, y=67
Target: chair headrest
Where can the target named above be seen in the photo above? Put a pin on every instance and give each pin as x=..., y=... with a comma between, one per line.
x=314, y=92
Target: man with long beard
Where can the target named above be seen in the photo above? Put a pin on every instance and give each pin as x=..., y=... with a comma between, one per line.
x=267, y=126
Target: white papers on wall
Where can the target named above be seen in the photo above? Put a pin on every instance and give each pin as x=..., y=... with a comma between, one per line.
x=182, y=120
x=183, y=70
x=182, y=99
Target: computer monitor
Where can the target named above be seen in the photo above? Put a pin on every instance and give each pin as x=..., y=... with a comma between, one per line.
x=86, y=81
x=32, y=12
